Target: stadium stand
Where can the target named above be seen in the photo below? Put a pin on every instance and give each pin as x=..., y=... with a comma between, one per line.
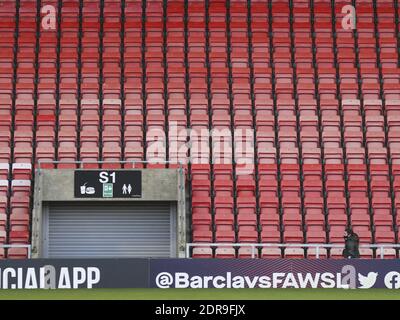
x=323, y=101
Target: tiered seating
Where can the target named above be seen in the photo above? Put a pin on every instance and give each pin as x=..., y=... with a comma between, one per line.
x=26, y=120
x=115, y=75
x=111, y=87
x=7, y=27
x=133, y=75
x=91, y=60
x=68, y=125
x=47, y=95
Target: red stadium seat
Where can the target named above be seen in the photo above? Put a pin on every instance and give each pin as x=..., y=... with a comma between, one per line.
x=320, y=105
x=202, y=252
x=271, y=253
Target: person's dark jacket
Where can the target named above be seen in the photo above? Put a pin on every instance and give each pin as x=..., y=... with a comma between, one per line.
x=351, y=246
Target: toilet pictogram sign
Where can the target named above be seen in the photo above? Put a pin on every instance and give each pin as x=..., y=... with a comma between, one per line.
x=108, y=184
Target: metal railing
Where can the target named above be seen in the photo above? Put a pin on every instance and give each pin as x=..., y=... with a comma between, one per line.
x=316, y=246
x=82, y=163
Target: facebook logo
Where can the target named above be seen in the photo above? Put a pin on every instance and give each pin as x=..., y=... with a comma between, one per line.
x=392, y=280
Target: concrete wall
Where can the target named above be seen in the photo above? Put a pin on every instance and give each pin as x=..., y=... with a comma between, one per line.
x=157, y=185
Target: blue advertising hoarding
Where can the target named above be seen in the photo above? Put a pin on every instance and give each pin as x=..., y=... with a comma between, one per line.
x=198, y=273
x=282, y=273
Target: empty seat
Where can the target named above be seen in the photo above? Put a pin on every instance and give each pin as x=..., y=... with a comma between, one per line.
x=225, y=253
x=312, y=253
x=294, y=253
x=202, y=252
x=312, y=108
x=271, y=253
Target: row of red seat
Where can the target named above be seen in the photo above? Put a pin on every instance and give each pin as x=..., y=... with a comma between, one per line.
x=288, y=253
x=291, y=203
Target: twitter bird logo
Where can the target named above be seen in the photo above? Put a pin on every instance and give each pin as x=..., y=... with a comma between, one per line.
x=368, y=281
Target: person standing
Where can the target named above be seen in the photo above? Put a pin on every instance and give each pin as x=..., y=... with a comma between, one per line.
x=352, y=242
